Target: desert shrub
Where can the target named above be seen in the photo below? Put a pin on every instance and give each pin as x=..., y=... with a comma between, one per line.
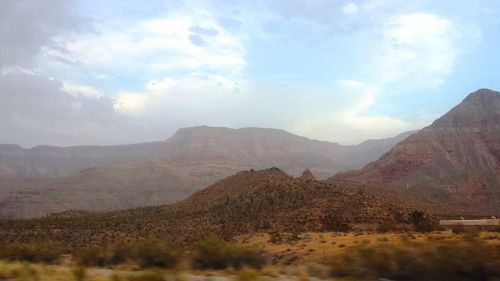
x=147, y=253
x=31, y=252
x=247, y=274
x=303, y=275
x=150, y=275
x=215, y=253
x=155, y=253
x=429, y=260
x=5, y=274
x=421, y=222
x=319, y=271
x=26, y=273
x=270, y=271
x=104, y=255
x=90, y=256
x=182, y=277
x=116, y=277
x=386, y=227
x=275, y=237
x=79, y=272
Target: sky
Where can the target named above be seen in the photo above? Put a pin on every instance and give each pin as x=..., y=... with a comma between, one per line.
x=118, y=72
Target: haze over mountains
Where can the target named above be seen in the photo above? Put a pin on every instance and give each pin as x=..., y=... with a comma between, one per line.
x=451, y=166
x=453, y=163
x=247, y=202
x=43, y=180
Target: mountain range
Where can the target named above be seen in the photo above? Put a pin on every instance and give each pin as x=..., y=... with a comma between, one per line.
x=43, y=180
x=453, y=164
x=247, y=202
x=448, y=168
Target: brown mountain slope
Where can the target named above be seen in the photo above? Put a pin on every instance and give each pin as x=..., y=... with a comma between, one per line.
x=454, y=163
x=107, y=189
x=247, y=147
x=246, y=202
x=157, y=173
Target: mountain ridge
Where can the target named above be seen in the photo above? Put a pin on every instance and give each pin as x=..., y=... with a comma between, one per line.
x=455, y=160
x=155, y=173
x=244, y=203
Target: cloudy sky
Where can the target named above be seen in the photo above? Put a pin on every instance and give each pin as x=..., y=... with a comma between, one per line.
x=114, y=72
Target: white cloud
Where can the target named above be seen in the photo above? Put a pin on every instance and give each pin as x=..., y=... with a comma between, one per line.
x=195, y=98
x=130, y=103
x=77, y=89
x=417, y=48
x=350, y=8
x=160, y=85
x=157, y=45
x=190, y=67
x=339, y=113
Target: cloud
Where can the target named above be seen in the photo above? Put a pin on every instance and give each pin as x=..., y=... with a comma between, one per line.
x=420, y=47
x=158, y=45
x=342, y=117
x=138, y=76
x=28, y=26
x=194, y=99
x=197, y=40
x=36, y=110
x=350, y=8
x=77, y=89
x=130, y=103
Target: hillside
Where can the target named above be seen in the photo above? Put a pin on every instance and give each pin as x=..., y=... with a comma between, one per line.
x=453, y=163
x=43, y=180
x=247, y=202
x=59, y=162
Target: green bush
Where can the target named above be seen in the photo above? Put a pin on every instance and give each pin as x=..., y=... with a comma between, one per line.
x=105, y=255
x=421, y=222
x=430, y=260
x=147, y=253
x=150, y=275
x=216, y=253
x=155, y=253
x=31, y=252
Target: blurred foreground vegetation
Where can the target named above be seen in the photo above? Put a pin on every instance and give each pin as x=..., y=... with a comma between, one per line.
x=369, y=256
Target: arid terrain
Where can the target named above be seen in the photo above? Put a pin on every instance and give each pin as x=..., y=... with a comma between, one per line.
x=288, y=256
x=44, y=180
x=377, y=222
x=453, y=163
x=249, y=140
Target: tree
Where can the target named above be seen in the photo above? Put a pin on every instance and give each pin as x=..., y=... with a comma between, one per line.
x=420, y=221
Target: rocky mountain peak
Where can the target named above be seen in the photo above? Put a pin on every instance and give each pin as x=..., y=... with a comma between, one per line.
x=307, y=175
x=480, y=109
x=454, y=162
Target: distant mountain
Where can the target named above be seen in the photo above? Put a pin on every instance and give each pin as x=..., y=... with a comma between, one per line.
x=43, y=180
x=454, y=164
x=247, y=202
x=58, y=162
x=246, y=147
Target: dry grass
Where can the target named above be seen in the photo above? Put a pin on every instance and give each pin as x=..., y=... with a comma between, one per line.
x=317, y=247
x=305, y=252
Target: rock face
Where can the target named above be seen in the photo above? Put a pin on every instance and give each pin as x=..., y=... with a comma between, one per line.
x=454, y=163
x=43, y=180
x=307, y=175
